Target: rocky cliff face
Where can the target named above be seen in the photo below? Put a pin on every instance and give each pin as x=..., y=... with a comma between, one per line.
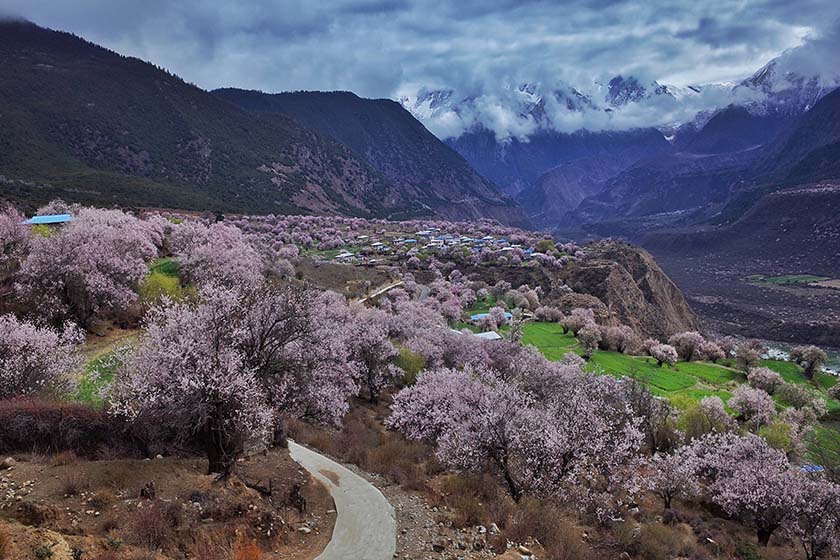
x=633, y=289
x=621, y=283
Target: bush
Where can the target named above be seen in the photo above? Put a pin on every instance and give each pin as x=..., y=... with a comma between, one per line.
x=42, y=426
x=547, y=523
x=152, y=525
x=778, y=435
x=411, y=363
x=745, y=550
x=658, y=542
x=74, y=483
x=158, y=285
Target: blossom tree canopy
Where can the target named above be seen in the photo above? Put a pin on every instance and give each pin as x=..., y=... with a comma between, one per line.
x=224, y=367
x=811, y=358
x=372, y=353
x=589, y=337
x=753, y=406
x=91, y=265
x=219, y=254
x=765, y=379
x=815, y=521
x=544, y=427
x=33, y=359
x=470, y=414
x=14, y=237
x=748, y=354
x=712, y=351
x=688, y=344
x=663, y=354
x=672, y=476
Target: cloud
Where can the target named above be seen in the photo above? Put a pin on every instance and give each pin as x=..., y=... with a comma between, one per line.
x=479, y=48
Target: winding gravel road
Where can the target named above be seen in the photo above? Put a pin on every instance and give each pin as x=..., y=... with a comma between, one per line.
x=365, y=528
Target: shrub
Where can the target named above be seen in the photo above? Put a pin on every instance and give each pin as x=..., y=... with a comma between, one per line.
x=61, y=458
x=53, y=427
x=545, y=522
x=74, y=483
x=794, y=395
x=745, y=550
x=159, y=285
x=151, y=526
x=411, y=363
x=778, y=435
x=659, y=542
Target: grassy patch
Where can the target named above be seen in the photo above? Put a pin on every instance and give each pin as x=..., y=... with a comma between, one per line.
x=710, y=373
x=789, y=371
x=643, y=369
x=549, y=339
x=698, y=394
x=787, y=279
x=166, y=267
x=98, y=374
x=462, y=325
x=482, y=305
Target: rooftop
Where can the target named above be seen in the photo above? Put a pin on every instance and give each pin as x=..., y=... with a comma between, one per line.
x=49, y=219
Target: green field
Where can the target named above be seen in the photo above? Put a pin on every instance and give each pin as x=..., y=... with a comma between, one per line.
x=692, y=380
x=787, y=279
x=167, y=267
x=482, y=305
x=549, y=339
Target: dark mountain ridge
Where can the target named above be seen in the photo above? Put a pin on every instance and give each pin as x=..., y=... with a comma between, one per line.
x=387, y=137
x=87, y=124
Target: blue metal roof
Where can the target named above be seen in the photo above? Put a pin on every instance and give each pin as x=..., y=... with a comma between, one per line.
x=49, y=219
x=479, y=316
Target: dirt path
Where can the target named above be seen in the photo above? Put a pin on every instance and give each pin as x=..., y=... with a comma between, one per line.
x=380, y=291
x=365, y=528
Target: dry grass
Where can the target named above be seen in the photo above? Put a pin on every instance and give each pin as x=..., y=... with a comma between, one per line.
x=152, y=525
x=662, y=542
x=63, y=458
x=73, y=483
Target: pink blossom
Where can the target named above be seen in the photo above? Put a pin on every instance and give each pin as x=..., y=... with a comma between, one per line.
x=33, y=359
x=92, y=265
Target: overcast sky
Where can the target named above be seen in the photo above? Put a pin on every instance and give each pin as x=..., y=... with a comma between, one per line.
x=385, y=48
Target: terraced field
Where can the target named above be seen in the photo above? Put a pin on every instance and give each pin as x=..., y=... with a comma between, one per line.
x=694, y=380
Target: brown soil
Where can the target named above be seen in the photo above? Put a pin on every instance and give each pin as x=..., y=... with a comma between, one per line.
x=350, y=281
x=162, y=509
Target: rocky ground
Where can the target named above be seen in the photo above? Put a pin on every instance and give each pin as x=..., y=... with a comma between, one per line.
x=717, y=291
x=62, y=507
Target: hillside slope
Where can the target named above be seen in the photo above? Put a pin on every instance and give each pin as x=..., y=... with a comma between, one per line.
x=87, y=124
x=386, y=136
x=515, y=164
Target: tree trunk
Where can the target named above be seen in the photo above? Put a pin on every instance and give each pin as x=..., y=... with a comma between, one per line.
x=515, y=491
x=221, y=447
x=764, y=535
